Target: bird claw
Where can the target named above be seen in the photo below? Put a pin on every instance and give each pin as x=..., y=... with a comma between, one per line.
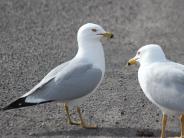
x=88, y=126
x=74, y=123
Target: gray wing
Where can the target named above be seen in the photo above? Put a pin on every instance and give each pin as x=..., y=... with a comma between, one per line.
x=74, y=81
x=47, y=78
x=167, y=86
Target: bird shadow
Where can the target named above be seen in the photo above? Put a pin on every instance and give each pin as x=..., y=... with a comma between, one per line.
x=119, y=132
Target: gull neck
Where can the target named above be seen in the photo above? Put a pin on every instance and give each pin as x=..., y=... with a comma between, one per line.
x=92, y=51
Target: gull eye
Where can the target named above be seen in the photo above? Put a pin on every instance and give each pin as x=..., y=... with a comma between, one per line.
x=94, y=30
x=138, y=53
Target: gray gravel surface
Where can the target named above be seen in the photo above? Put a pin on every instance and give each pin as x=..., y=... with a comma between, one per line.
x=37, y=35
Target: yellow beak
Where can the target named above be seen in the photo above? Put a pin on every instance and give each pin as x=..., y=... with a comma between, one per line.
x=132, y=61
x=108, y=35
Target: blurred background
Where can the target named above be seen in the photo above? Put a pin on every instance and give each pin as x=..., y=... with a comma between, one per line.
x=37, y=35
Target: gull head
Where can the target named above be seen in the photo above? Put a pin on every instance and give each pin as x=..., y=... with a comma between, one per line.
x=92, y=32
x=148, y=54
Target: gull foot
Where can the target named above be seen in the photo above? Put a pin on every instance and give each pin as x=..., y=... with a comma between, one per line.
x=88, y=126
x=74, y=123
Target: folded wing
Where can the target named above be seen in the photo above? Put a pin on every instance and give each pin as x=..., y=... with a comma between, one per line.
x=71, y=82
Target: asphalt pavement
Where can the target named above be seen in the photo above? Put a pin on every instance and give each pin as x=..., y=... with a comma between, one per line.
x=37, y=35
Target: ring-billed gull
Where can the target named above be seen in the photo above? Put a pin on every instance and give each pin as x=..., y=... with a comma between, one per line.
x=162, y=81
x=72, y=80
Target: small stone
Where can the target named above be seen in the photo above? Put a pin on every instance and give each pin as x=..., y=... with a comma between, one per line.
x=122, y=112
x=157, y=120
x=31, y=134
x=116, y=122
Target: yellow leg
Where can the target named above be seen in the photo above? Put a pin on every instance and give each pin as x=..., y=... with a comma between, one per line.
x=83, y=124
x=164, y=122
x=68, y=116
x=182, y=125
